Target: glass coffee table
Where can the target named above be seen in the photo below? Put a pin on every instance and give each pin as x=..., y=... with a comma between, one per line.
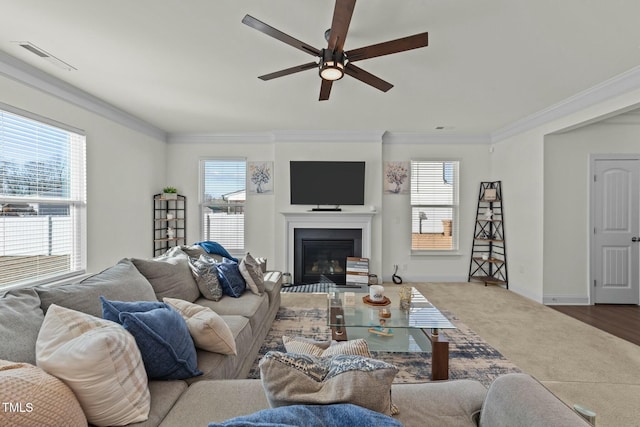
x=390, y=327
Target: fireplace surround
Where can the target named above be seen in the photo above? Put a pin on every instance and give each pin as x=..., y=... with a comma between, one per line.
x=345, y=220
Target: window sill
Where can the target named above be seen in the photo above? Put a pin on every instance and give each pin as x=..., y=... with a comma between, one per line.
x=454, y=253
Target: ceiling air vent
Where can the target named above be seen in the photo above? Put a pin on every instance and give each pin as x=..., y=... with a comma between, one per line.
x=44, y=54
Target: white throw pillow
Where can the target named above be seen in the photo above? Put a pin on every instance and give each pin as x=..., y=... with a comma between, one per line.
x=251, y=271
x=209, y=331
x=99, y=361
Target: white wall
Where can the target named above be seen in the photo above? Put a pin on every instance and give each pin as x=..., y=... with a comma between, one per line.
x=325, y=148
x=396, y=213
x=518, y=160
x=124, y=169
x=183, y=157
x=566, y=198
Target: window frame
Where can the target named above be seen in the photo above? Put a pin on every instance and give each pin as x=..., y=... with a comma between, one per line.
x=235, y=251
x=454, y=206
x=75, y=202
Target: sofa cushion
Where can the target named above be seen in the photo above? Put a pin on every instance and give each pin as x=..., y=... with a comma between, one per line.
x=252, y=306
x=503, y=405
x=454, y=403
x=121, y=282
x=221, y=366
x=357, y=347
x=43, y=398
x=164, y=395
x=161, y=334
x=170, y=277
x=290, y=379
x=342, y=414
x=232, y=398
x=233, y=284
x=205, y=272
x=99, y=361
x=20, y=320
x=252, y=273
x=208, y=330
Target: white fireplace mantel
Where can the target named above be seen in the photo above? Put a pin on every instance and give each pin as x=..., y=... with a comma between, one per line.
x=330, y=220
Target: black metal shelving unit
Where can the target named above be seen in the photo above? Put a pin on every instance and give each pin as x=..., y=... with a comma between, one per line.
x=176, y=209
x=488, y=262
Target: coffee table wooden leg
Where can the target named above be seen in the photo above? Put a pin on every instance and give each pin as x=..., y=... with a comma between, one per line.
x=439, y=356
x=337, y=334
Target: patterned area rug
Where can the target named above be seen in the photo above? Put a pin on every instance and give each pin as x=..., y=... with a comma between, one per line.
x=469, y=355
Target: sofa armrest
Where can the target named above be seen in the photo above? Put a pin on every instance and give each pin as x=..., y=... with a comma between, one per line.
x=520, y=400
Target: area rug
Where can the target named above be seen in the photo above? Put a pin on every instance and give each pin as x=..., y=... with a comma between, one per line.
x=469, y=355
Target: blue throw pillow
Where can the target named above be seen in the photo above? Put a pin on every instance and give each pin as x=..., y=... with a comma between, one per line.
x=341, y=414
x=233, y=284
x=161, y=334
x=111, y=309
x=216, y=249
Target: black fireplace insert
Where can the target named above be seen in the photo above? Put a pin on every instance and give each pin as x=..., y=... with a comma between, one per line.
x=320, y=254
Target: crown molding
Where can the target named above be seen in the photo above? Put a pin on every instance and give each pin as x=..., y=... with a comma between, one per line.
x=220, y=138
x=22, y=72
x=615, y=86
x=433, y=138
x=295, y=136
x=328, y=136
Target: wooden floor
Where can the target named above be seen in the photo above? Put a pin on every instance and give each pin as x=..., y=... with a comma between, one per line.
x=622, y=321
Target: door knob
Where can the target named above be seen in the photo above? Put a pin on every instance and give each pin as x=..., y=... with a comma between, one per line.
x=635, y=239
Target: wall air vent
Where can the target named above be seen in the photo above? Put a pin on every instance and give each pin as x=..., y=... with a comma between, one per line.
x=45, y=55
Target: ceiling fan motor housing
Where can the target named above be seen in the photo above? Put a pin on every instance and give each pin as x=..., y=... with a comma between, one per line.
x=331, y=65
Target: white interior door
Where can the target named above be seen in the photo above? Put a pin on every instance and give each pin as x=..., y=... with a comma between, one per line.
x=615, y=248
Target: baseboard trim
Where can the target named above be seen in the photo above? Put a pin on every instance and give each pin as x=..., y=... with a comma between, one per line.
x=565, y=300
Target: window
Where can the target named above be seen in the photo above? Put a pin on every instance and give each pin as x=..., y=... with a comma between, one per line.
x=434, y=205
x=42, y=199
x=223, y=184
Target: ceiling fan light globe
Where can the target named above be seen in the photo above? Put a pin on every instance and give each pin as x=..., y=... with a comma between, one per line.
x=331, y=70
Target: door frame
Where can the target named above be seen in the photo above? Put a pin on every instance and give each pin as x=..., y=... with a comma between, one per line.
x=593, y=158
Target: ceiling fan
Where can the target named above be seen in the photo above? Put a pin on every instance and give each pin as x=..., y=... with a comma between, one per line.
x=334, y=62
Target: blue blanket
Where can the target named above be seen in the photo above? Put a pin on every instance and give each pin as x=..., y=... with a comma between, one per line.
x=216, y=249
x=337, y=415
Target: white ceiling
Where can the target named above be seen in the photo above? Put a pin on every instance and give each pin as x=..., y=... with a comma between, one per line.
x=192, y=66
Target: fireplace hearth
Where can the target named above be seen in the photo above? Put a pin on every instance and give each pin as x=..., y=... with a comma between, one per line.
x=320, y=254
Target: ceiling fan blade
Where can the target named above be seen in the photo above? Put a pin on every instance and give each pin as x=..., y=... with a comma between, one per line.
x=386, y=48
x=340, y=25
x=279, y=35
x=286, y=72
x=367, y=77
x=325, y=89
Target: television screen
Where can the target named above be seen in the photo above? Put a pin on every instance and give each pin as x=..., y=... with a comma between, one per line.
x=327, y=183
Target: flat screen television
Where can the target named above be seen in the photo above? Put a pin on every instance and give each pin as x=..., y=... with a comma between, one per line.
x=327, y=183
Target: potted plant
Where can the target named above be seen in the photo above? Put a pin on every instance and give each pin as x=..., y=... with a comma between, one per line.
x=169, y=193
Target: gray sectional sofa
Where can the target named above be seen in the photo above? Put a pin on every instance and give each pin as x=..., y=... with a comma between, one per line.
x=222, y=392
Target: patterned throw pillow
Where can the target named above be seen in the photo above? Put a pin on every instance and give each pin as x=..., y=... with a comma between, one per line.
x=206, y=274
x=208, y=330
x=99, y=361
x=357, y=347
x=233, y=284
x=252, y=273
x=44, y=399
x=292, y=379
x=161, y=334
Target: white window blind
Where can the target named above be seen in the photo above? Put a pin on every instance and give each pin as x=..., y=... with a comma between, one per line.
x=434, y=205
x=223, y=183
x=43, y=198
